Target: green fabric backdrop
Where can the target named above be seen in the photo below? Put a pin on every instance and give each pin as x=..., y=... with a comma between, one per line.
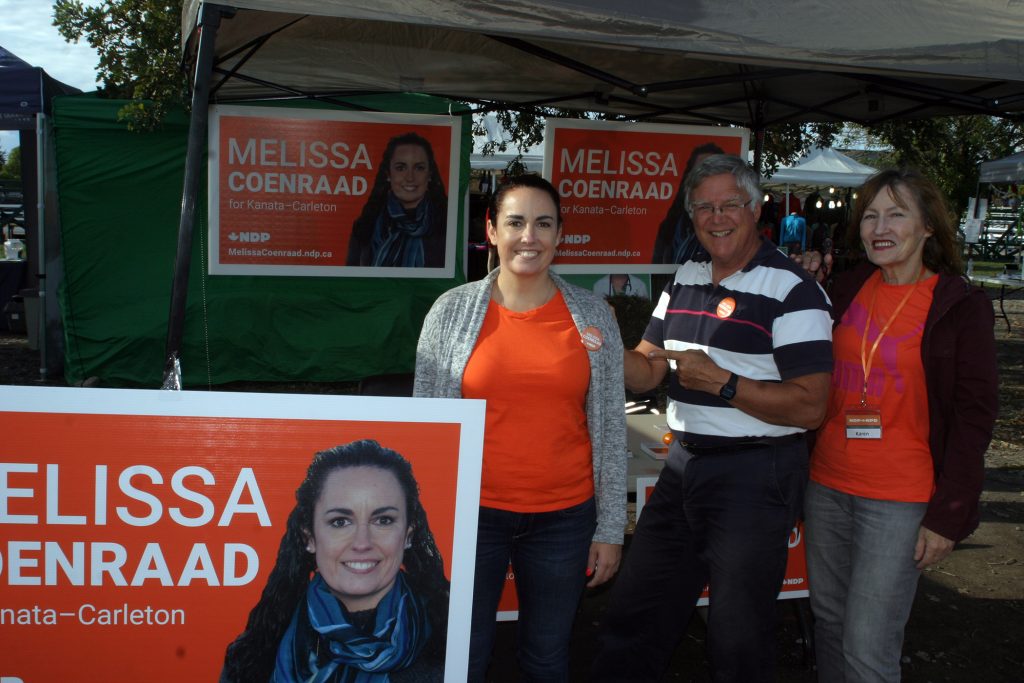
x=120, y=197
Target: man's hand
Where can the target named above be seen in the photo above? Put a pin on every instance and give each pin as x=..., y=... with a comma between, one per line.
x=694, y=369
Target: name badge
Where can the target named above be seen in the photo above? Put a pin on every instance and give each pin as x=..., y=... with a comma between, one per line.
x=863, y=422
x=592, y=338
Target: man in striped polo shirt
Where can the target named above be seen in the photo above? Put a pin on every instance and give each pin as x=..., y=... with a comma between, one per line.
x=745, y=336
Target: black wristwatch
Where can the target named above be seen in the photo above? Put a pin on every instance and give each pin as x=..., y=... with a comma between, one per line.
x=728, y=390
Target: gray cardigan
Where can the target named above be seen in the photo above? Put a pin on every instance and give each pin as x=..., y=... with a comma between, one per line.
x=449, y=335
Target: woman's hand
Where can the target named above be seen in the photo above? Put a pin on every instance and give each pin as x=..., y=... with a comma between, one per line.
x=931, y=548
x=603, y=562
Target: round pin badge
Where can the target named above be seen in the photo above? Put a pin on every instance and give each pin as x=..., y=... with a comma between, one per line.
x=726, y=307
x=592, y=338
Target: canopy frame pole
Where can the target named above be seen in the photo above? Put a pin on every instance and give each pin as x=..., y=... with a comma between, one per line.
x=207, y=25
x=41, y=237
x=759, y=133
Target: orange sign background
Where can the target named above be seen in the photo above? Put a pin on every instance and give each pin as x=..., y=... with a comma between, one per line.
x=99, y=511
x=616, y=183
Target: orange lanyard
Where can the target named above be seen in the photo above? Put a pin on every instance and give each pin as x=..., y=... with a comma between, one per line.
x=866, y=358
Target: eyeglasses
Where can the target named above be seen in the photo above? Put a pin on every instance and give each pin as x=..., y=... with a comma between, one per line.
x=705, y=210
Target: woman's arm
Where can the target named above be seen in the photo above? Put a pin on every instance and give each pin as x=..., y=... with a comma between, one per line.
x=606, y=417
x=953, y=508
x=427, y=349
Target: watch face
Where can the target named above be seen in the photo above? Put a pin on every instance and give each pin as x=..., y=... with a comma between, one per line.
x=728, y=390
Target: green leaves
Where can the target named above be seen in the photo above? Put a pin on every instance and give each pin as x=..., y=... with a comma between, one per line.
x=10, y=167
x=138, y=43
x=948, y=149
x=784, y=143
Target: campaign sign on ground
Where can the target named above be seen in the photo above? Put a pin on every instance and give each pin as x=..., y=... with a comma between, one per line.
x=336, y=193
x=138, y=528
x=795, y=583
x=619, y=185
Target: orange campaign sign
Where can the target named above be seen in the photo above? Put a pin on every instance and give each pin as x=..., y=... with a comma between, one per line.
x=324, y=192
x=619, y=185
x=138, y=528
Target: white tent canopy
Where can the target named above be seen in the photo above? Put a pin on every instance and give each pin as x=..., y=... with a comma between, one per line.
x=822, y=167
x=1006, y=170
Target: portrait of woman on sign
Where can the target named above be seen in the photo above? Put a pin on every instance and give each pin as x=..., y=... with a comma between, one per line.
x=404, y=222
x=358, y=592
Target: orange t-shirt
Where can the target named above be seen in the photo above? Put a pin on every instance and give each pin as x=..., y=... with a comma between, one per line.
x=899, y=465
x=533, y=370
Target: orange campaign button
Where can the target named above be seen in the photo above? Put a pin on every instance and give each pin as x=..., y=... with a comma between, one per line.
x=725, y=307
x=592, y=338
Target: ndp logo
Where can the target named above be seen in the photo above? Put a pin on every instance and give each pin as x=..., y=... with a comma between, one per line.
x=575, y=239
x=251, y=237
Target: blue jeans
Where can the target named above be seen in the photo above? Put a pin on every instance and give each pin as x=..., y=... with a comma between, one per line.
x=862, y=576
x=549, y=553
x=726, y=521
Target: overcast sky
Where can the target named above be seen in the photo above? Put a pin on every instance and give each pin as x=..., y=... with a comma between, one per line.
x=27, y=31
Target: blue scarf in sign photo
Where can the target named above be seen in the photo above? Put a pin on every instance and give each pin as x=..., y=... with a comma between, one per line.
x=399, y=634
x=684, y=241
x=398, y=236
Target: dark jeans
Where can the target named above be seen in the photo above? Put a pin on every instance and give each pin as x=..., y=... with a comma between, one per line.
x=549, y=557
x=725, y=521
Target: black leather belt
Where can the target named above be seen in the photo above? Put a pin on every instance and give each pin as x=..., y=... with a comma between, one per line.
x=743, y=444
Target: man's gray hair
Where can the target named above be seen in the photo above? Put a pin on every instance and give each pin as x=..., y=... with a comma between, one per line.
x=717, y=164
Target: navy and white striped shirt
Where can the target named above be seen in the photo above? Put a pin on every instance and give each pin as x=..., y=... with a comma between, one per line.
x=780, y=327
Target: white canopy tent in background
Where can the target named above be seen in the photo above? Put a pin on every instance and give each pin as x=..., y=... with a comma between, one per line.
x=1006, y=170
x=822, y=167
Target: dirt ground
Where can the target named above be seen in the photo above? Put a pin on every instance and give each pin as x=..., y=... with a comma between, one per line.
x=968, y=618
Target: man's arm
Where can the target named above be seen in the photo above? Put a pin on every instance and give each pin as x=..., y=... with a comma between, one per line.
x=798, y=402
x=642, y=372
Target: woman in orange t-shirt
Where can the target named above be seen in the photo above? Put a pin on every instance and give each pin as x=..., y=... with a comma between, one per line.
x=547, y=357
x=897, y=468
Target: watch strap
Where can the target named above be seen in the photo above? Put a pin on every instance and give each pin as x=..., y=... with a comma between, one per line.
x=728, y=390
